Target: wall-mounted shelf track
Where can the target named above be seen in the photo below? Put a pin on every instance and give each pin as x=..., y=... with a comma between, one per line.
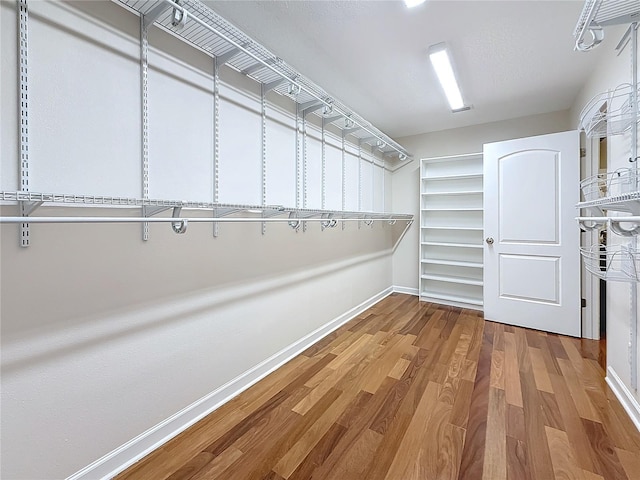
x=201, y=27
x=451, y=225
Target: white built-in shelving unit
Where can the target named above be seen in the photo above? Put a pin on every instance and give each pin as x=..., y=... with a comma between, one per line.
x=451, y=227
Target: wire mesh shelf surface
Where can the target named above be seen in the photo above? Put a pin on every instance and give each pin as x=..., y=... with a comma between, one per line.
x=613, y=184
x=609, y=113
x=209, y=32
x=618, y=263
x=10, y=197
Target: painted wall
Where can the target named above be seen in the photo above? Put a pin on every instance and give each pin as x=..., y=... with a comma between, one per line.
x=104, y=336
x=612, y=71
x=405, y=181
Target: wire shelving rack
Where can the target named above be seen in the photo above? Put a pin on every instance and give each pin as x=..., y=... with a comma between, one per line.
x=201, y=27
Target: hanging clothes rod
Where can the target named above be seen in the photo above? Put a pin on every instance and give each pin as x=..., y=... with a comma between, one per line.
x=179, y=224
x=591, y=223
x=603, y=220
x=390, y=219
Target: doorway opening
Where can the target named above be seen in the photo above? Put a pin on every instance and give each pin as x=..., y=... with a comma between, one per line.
x=602, y=238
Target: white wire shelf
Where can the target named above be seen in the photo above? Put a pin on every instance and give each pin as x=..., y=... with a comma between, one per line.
x=609, y=113
x=602, y=13
x=613, y=184
x=627, y=202
x=618, y=263
x=153, y=207
x=201, y=27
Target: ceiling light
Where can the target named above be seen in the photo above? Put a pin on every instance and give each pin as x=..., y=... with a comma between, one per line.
x=441, y=61
x=413, y=3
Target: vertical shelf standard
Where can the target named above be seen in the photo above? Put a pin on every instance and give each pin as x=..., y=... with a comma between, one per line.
x=451, y=227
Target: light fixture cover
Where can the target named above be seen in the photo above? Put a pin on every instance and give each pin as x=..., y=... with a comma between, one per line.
x=441, y=61
x=413, y=3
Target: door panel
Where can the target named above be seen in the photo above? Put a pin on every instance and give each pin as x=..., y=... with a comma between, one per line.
x=515, y=285
x=517, y=199
x=531, y=257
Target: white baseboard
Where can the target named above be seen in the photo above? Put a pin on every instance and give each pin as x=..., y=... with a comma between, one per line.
x=406, y=290
x=135, y=449
x=628, y=401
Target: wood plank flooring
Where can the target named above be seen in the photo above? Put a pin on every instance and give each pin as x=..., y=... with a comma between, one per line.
x=412, y=390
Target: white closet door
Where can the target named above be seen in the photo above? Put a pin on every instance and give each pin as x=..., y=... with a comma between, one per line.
x=531, y=251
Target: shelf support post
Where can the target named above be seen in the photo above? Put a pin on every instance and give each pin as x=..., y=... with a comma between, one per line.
x=216, y=139
x=633, y=344
x=298, y=169
x=144, y=95
x=359, y=179
x=344, y=177
x=263, y=99
x=23, y=53
x=323, y=184
x=305, y=169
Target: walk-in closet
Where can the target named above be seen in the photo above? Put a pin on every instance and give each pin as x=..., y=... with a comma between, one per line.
x=319, y=240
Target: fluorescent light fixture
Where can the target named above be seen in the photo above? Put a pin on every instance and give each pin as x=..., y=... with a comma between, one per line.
x=413, y=3
x=441, y=61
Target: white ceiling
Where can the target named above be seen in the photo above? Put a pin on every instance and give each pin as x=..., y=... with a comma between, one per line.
x=514, y=58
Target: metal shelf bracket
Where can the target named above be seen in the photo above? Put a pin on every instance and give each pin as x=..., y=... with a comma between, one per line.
x=27, y=208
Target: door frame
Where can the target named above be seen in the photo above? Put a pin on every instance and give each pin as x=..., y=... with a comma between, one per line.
x=590, y=284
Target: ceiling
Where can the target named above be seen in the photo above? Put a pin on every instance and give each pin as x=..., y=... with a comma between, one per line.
x=514, y=58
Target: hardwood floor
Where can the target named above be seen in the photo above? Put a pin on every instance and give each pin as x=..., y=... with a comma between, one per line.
x=412, y=390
